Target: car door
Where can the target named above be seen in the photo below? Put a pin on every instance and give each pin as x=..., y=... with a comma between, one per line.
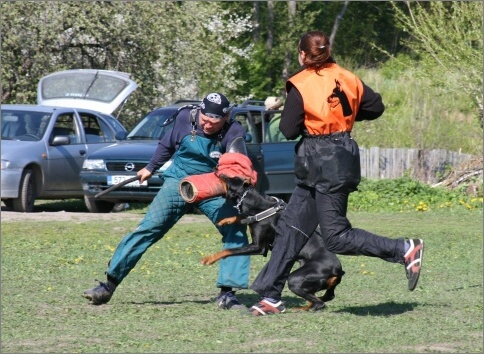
x=278, y=155
x=97, y=131
x=64, y=161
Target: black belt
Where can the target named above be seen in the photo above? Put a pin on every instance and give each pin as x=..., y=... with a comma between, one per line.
x=327, y=136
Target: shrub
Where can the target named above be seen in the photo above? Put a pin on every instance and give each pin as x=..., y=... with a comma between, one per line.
x=405, y=194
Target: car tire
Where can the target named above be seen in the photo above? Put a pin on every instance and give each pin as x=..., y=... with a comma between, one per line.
x=119, y=207
x=26, y=198
x=95, y=206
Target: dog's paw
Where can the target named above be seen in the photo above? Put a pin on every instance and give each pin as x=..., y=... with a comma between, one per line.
x=303, y=308
x=208, y=260
x=212, y=258
x=228, y=221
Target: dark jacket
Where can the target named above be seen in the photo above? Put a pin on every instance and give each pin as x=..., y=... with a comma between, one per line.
x=169, y=144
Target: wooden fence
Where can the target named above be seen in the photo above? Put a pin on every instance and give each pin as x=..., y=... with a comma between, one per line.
x=428, y=166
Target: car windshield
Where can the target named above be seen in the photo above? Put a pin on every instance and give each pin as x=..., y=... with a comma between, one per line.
x=151, y=127
x=24, y=125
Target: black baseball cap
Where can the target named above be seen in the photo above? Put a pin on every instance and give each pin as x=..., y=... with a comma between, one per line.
x=215, y=105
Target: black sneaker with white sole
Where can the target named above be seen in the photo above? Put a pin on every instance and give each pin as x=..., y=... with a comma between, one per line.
x=228, y=301
x=99, y=295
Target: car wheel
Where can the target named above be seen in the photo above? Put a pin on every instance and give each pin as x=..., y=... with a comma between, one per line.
x=118, y=207
x=26, y=199
x=95, y=206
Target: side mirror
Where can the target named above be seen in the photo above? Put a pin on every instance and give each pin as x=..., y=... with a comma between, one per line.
x=121, y=135
x=60, y=140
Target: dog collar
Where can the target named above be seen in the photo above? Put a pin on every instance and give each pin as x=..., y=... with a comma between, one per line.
x=241, y=200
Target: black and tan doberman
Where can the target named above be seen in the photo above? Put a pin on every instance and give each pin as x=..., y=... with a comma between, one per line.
x=319, y=269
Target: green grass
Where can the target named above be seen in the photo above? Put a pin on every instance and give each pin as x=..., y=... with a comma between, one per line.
x=78, y=205
x=400, y=194
x=166, y=303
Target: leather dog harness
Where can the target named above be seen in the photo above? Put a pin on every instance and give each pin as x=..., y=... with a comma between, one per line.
x=263, y=214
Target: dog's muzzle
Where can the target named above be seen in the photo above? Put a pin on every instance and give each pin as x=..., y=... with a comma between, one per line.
x=196, y=188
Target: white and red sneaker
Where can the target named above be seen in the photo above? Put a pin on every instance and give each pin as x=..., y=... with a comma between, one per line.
x=265, y=307
x=413, y=262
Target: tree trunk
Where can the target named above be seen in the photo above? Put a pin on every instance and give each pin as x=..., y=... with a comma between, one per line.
x=288, y=57
x=270, y=26
x=336, y=23
x=270, y=40
x=256, y=22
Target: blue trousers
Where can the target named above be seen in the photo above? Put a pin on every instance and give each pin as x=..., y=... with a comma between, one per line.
x=164, y=211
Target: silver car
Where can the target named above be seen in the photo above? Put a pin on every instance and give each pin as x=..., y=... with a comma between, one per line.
x=44, y=146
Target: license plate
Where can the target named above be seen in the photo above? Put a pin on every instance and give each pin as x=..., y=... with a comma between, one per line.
x=117, y=179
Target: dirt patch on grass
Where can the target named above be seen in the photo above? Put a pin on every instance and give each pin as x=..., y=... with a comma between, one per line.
x=7, y=215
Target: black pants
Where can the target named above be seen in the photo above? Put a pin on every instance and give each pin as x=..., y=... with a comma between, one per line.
x=306, y=209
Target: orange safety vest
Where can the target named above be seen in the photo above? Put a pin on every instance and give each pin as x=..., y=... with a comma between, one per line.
x=331, y=98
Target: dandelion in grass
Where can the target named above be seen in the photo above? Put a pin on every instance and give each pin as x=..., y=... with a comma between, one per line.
x=476, y=203
x=366, y=271
x=422, y=206
x=446, y=205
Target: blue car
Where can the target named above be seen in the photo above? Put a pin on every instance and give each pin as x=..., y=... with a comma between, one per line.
x=271, y=157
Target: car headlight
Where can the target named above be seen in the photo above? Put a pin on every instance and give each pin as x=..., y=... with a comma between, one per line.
x=5, y=164
x=93, y=165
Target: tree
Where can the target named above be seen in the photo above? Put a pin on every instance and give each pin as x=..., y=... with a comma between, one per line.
x=201, y=56
x=172, y=49
x=446, y=39
x=43, y=37
x=277, y=26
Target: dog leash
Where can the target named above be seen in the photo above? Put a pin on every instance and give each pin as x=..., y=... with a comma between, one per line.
x=241, y=200
x=266, y=213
